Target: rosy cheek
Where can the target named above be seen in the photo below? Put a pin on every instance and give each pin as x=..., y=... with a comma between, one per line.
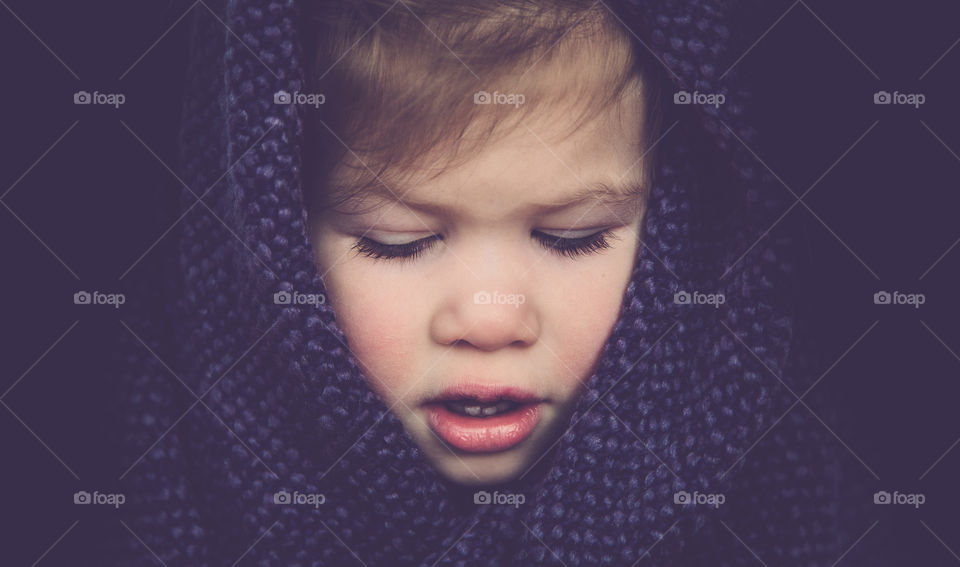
x=381, y=345
x=583, y=337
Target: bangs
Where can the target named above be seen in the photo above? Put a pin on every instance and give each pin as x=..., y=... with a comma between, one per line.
x=422, y=88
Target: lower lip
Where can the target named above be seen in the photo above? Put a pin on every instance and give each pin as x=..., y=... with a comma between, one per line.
x=484, y=434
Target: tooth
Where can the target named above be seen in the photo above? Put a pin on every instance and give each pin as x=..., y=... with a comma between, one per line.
x=472, y=410
x=490, y=410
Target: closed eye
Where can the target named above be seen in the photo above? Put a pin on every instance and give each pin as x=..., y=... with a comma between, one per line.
x=406, y=251
x=573, y=247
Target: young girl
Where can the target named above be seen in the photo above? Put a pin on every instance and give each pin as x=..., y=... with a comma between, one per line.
x=481, y=285
x=479, y=220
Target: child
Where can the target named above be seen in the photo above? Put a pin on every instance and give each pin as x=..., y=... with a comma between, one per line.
x=479, y=220
x=489, y=300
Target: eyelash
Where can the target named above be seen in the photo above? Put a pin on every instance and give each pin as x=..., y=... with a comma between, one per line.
x=565, y=247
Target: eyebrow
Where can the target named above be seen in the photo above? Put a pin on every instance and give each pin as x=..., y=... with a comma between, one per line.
x=616, y=194
x=603, y=192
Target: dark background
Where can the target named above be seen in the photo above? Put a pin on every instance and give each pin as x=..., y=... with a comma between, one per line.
x=79, y=212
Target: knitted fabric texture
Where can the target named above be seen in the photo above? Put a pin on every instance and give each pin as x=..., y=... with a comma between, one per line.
x=675, y=400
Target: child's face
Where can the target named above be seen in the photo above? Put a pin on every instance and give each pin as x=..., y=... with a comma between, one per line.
x=490, y=312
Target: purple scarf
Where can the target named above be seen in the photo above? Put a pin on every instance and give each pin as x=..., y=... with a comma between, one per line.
x=661, y=461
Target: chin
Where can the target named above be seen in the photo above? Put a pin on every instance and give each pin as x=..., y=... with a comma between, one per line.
x=481, y=470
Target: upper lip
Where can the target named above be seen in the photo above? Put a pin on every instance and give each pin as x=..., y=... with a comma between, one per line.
x=485, y=393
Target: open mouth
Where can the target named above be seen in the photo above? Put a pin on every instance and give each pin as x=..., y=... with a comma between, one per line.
x=484, y=419
x=476, y=409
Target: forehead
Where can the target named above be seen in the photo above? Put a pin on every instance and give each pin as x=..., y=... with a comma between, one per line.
x=547, y=158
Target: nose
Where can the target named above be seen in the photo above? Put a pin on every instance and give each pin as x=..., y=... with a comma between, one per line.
x=487, y=305
x=487, y=320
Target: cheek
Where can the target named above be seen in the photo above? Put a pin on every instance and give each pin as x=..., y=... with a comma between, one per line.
x=586, y=312
x=381, y=328
x=583, y=336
